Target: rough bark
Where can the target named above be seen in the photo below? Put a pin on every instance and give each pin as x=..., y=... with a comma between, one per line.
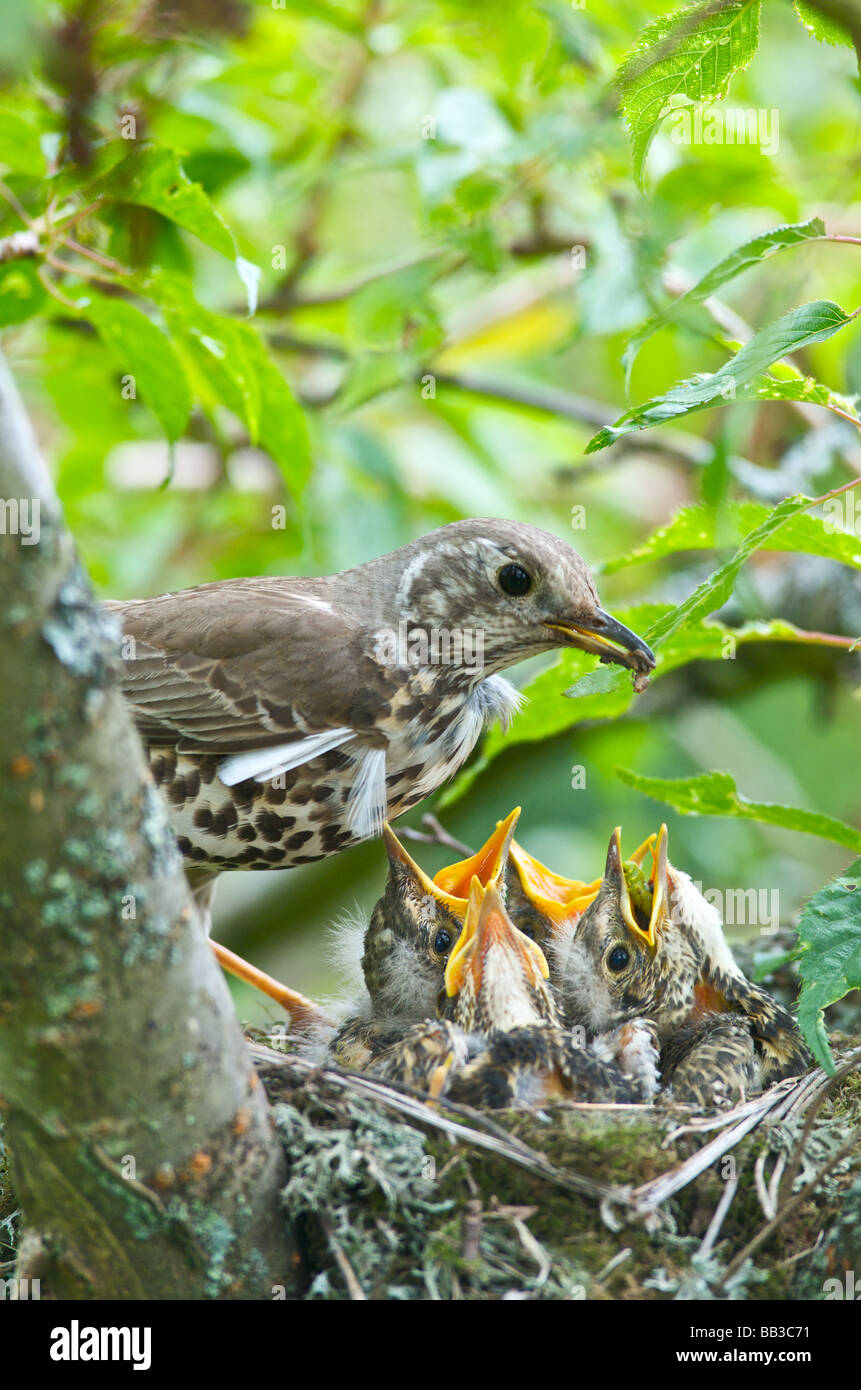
x=141, y=1144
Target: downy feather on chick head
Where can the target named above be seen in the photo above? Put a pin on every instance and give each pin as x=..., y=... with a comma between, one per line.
x=416, y=923
x=620, y=961
x=658, y=950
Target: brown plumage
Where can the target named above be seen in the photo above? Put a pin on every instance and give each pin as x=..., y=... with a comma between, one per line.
x=664, y=957
x=286, y=719
x=500, y=1041
x=412, y=930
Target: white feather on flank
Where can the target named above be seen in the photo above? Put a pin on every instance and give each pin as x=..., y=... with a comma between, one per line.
x=265, y=763
x=320, y=603
x=367, y=802
x=631, y=1047
x=497, y=698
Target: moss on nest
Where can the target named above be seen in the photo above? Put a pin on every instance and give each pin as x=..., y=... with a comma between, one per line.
x=383, y=1207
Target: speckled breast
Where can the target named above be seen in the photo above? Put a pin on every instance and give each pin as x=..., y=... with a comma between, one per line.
x=297, y=819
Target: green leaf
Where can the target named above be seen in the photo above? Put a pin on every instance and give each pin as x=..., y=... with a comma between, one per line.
x=600, y=693
x=229, y=364
x=830, y=937
x=740, y=377
x=698, y=528
x=750, y=253
x=692, y=53
x=154, y=178
x=714, y=591
x=141, y=350
x=20, y=148
x=801, y=388
x=714, y=794
x=22, y=293
x=822, y=26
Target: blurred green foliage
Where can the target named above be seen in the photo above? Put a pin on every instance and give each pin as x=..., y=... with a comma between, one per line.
x=309, y=279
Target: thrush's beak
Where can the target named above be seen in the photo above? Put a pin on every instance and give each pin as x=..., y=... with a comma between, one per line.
x=488, y=927
x=401, y=861
x=614, y=877
x=609, y=639
x=661, y=901
x=557, y=898
x=486, y=865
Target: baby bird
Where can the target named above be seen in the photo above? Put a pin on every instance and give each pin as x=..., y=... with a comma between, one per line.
x=412, y=930
x=661, y=954
x=499, y=1041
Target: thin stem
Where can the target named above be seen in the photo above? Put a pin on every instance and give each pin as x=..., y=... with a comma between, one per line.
x=53, y=291
x=15, y=204
x=107, y=261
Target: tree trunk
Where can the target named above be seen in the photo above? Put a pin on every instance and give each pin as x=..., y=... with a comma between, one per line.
x=141, y=1143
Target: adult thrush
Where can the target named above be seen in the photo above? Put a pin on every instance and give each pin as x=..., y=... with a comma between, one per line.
x=287, y=719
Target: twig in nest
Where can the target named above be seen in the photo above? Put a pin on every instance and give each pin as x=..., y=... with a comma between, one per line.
x=412, y=1103
x=652, y=1194
x=354, y=1288
x=768, y=1207
x=701, y=1124
x=710, y=1238
x=613, y=1265
x=472, y=1224
x=788, y=1207
x=816, y=1102
x=518, y=1216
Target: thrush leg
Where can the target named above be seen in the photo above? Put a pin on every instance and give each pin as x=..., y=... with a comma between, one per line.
x=711, y=1063
x=303, y=1012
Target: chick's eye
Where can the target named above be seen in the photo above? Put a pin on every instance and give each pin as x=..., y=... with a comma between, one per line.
x=618, y=959
x=442, y=941
x=514, y=580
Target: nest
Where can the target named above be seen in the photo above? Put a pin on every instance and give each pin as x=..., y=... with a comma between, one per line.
x=390, y=1197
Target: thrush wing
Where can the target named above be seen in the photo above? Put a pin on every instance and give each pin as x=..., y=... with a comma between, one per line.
x=263, y=673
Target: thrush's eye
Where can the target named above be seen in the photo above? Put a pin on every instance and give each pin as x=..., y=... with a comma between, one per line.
x=618, y=959
x=442, y=941
x=515, y=580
